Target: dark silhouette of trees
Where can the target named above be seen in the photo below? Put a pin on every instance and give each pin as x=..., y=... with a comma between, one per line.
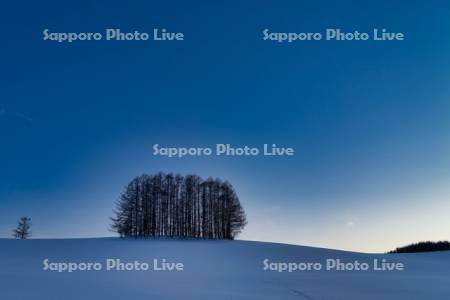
x=423, y=247
x=173, y=205
x=23, y=229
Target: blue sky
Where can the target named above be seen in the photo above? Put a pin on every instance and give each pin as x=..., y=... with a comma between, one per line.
x=369, y=120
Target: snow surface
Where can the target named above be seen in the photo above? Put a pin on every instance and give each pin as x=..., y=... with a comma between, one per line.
x=212, y=270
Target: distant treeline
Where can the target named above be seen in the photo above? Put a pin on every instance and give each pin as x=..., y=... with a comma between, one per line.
x=181, y=206
x=423, y=247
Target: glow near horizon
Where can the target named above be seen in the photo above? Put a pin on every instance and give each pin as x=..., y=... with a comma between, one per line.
x=364, y=226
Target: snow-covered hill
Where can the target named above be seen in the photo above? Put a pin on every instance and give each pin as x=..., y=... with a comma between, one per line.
x=211, y=270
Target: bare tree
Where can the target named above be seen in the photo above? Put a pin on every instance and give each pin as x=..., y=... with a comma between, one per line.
x=23, y=229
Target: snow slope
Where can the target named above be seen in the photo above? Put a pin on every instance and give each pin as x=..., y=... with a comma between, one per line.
x=212, y=270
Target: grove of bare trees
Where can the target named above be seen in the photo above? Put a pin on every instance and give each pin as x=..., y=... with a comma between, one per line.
x=178, y=206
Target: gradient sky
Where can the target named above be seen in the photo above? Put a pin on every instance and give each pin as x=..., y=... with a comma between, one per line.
x=369, y=120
